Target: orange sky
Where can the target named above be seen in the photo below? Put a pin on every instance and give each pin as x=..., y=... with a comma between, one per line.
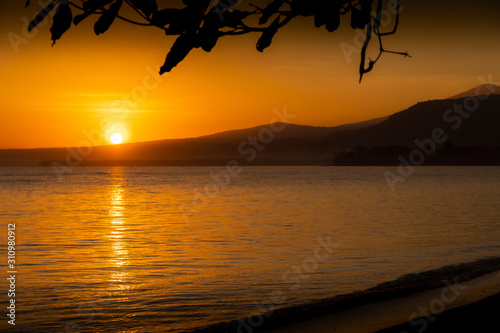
x=51, y=97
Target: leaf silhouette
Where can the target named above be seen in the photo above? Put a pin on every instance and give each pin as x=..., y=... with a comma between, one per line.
x=305, y=7
x=90, y=7
x=198, y=26
x=270, y=10
x=267, y=36
x=209, y=32
x=328, y=14
x=361, y=17
x=81, y=17
x=93, y=5
x=200, y=5
x=181, y=48
x=179, y=21
x=107, y=18
x=148, y=7
x=234, y=19
x=41, y=16
x=165, y=17
x=62, y=22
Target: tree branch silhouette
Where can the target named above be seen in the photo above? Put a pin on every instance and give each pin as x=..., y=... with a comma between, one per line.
x=201, y=23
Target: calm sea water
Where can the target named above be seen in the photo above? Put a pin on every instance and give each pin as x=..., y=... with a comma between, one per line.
x=147, y=250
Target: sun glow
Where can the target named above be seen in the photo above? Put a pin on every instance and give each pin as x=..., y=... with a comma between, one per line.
x=116, y=138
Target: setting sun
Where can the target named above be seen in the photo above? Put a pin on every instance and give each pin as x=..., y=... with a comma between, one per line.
x=116, y=138
x=277, y=166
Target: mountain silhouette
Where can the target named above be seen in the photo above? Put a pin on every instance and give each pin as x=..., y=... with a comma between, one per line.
x=291, y=144
x=296, y=144
x=485, y=89
x=419, y=121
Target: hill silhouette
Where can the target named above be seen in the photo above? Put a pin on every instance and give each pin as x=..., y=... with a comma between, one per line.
x=485, y=89
x=289, y=146
x=295, y=144
x=418, y=122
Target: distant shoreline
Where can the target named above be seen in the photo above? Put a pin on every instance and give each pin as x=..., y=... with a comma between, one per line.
x=223, y=162
x=193, y=162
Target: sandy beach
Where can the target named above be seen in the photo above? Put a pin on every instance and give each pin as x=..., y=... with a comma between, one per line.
x=477, y=317
x=476, y=305
x=432, y=301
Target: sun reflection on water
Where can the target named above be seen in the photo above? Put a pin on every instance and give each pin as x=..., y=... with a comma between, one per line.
x=119, y=258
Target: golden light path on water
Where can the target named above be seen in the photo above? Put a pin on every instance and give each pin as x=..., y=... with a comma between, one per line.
x=119, y=257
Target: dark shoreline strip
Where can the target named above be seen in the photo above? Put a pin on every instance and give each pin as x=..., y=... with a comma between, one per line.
x=403, y=286
x=481, y=316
